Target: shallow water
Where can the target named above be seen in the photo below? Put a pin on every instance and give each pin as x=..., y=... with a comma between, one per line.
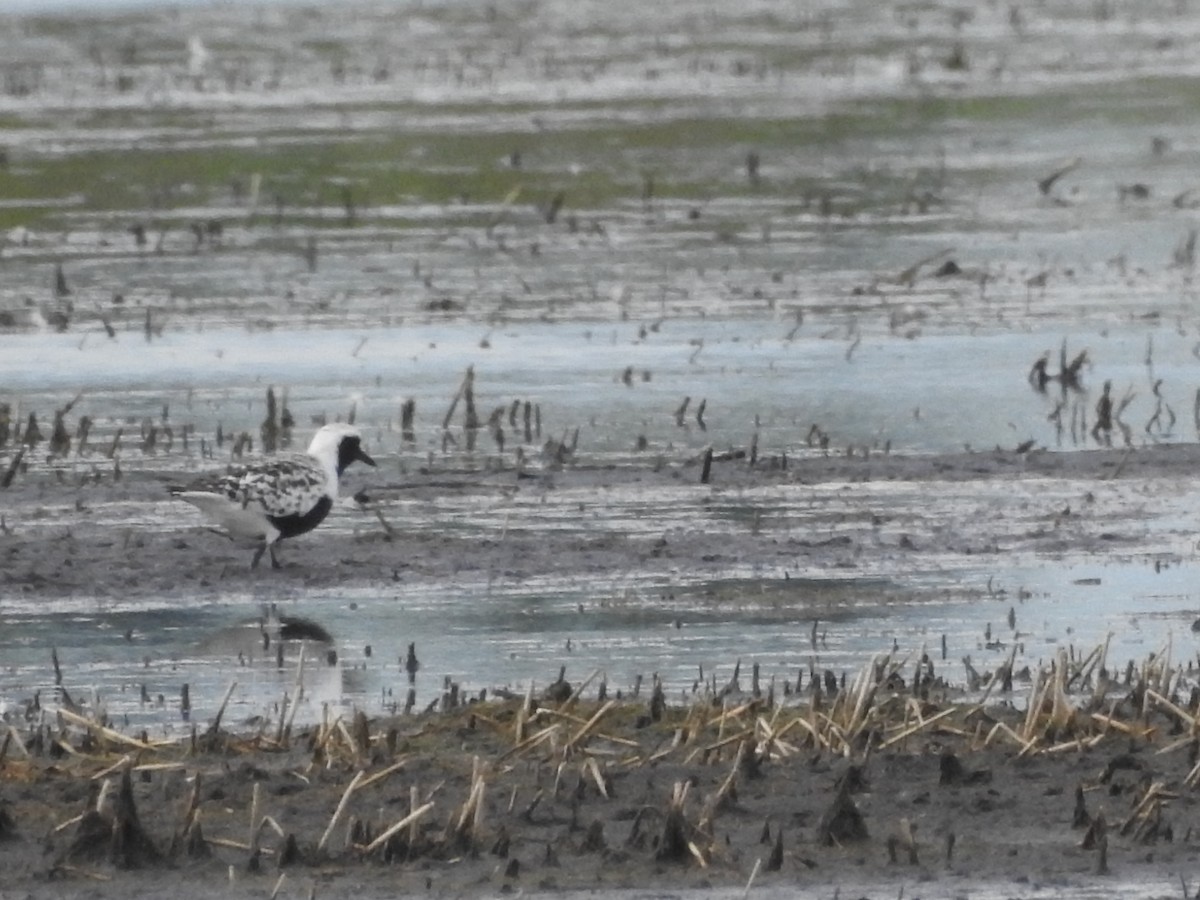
x=510, y=629
x=906, y=396
x=391, y=138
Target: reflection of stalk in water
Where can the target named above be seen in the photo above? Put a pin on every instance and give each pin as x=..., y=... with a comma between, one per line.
x=1161, y=408
x=1046, y=184
x=1126, y=431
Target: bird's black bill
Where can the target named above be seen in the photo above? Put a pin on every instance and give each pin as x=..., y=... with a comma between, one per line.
x=349, y=450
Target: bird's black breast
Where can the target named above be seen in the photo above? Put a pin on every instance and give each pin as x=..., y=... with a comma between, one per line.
x=290, y=526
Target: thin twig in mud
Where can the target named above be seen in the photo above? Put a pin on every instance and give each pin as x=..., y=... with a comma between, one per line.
x=118, y=766
x=1186, y=718
x=255, y=807
x=921, y=725
x=193, y=806
x=107, y=733
x=593, y=768
x=76, y=870
x=578, y=692
x=215, y=727
x=341, y=809
x=727, y=786
x=385, y=773
x=588, y=726
x=285, y=725
x=399, y=826
x=470, y=818
x=351, y=743
x=231, y=844
x=531, y=741
x=750, y=880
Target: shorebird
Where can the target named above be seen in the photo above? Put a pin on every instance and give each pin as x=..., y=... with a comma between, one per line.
x=280, y=497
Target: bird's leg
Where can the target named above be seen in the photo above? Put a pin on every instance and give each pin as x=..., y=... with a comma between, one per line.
x=274, y=562
x=258, y=554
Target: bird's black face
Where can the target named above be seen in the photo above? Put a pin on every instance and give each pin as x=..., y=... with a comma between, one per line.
x=350, y=450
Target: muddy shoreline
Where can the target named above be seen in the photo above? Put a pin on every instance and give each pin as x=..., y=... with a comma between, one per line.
x=62, y=538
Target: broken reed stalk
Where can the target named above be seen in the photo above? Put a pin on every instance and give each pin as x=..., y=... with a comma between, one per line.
x=215, y=727
x=341, y=809
x=470, y=819
x=385, y=773
x=351, y=743
x=593, y=769
x=996, y=676
x=414, y=800
x=727, y=786
x=288, y=714
x=193, y=805
x=13, y=465
x=578, y=692
x=269, y=430
x=1165, y=703
x=102, y=731
x=588, y=726
x=921, y=725
x=674, y=844
x=120, y=764
x=466, y=391
x=532, y=741
x=410, y=819
x=255, y=808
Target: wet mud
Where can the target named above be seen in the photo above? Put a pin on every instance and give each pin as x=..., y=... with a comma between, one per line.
x=131, y=539
x=956, y=806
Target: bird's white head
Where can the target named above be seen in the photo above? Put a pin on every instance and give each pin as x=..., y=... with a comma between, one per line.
x=338, y=445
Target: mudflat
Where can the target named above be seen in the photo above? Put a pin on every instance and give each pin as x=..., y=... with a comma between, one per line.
x=1063, y=777
x=99, y=537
